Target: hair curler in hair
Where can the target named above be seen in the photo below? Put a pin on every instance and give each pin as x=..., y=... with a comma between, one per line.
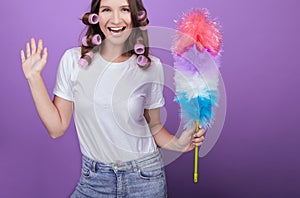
x=90, y=54
x=84, y=41
x=142, y=60
x=91, y=41
x=139, y=47
x=144, y=24
x=90, y=19
x=83, y=63
x=141, y=15
x=86, y=59
x=96, y=39
x=143, y=20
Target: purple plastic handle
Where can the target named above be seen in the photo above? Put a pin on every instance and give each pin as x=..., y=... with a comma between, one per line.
x=139, y=48
x=96, y=40
x=93, y=18
x=142, y=60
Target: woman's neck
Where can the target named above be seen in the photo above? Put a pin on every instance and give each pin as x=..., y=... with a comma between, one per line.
x=113, y=53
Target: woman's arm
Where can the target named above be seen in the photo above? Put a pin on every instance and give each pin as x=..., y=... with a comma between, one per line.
x=164, y=139
x=55, y=115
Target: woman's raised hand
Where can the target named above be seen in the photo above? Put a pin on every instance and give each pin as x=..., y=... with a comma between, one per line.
x=35, y=60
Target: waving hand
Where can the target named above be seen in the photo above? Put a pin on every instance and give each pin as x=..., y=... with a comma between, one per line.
x=35, y=59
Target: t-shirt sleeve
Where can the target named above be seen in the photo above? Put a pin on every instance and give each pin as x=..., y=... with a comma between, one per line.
x=155, y=98
x=63, y=85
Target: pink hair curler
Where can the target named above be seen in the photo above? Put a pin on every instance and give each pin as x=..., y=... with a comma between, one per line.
x=90, y=19
x=141, y=15
x=93, y=18
x=144, y=21
x=139, y=48
x=90, y=54
x=142, y=60
x=96, y=40
x=84, y=42
x=83, y=63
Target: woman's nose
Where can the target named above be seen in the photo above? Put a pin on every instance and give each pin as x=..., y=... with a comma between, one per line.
x=116, y=17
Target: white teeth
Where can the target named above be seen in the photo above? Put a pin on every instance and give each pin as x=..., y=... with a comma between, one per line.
x=116, y=29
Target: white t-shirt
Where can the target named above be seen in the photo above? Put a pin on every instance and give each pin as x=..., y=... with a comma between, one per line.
x=109, y=102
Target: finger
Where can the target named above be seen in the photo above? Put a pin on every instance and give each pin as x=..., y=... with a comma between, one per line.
x=23, y=56
x=33, y=46
x=27, y=50
x=40, y=46
x=197, y=140
x=198, y=144
x=199, y=133
x=45, y=54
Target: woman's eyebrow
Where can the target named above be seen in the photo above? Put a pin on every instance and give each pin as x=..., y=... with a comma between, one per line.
x=104, y=6
x=122, y=6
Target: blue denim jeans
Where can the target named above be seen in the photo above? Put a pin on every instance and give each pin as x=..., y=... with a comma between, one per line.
x=143, y=177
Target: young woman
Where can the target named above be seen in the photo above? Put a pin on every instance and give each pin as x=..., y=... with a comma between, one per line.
x=114, y=90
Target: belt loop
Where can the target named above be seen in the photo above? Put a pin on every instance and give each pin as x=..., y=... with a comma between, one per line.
x=134, y=166
x=94, y=166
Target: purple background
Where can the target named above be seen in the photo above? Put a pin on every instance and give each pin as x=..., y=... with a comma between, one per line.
x=257, y=154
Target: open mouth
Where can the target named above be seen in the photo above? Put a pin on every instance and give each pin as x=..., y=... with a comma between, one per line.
x=116, y=29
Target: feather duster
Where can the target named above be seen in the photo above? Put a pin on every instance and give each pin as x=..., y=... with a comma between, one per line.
x=196, y=49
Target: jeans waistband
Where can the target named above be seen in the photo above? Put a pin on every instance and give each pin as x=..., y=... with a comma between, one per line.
x=148, y=159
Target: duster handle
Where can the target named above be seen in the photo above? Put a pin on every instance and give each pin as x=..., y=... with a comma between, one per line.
x=196, y=156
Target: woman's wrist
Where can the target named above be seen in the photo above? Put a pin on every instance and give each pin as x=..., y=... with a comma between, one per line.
x=175, y=145
x=181, y=147
x=33, y=77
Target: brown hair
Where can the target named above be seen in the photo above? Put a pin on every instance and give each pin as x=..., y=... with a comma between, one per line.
x=136, y=7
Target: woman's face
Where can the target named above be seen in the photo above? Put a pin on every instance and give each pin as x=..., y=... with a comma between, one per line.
x=115, y=20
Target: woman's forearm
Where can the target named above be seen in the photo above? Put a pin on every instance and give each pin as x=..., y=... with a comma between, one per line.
x=46, y=109
x=165, y=139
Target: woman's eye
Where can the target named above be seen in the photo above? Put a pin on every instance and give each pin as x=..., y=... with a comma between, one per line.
x=105, y=10
x=125, y=9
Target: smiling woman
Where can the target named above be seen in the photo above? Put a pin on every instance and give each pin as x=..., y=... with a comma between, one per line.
x=115, y=23
x=121, y=23
x=114, y=87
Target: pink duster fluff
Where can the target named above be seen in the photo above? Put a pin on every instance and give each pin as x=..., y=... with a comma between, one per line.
x=196, y=26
